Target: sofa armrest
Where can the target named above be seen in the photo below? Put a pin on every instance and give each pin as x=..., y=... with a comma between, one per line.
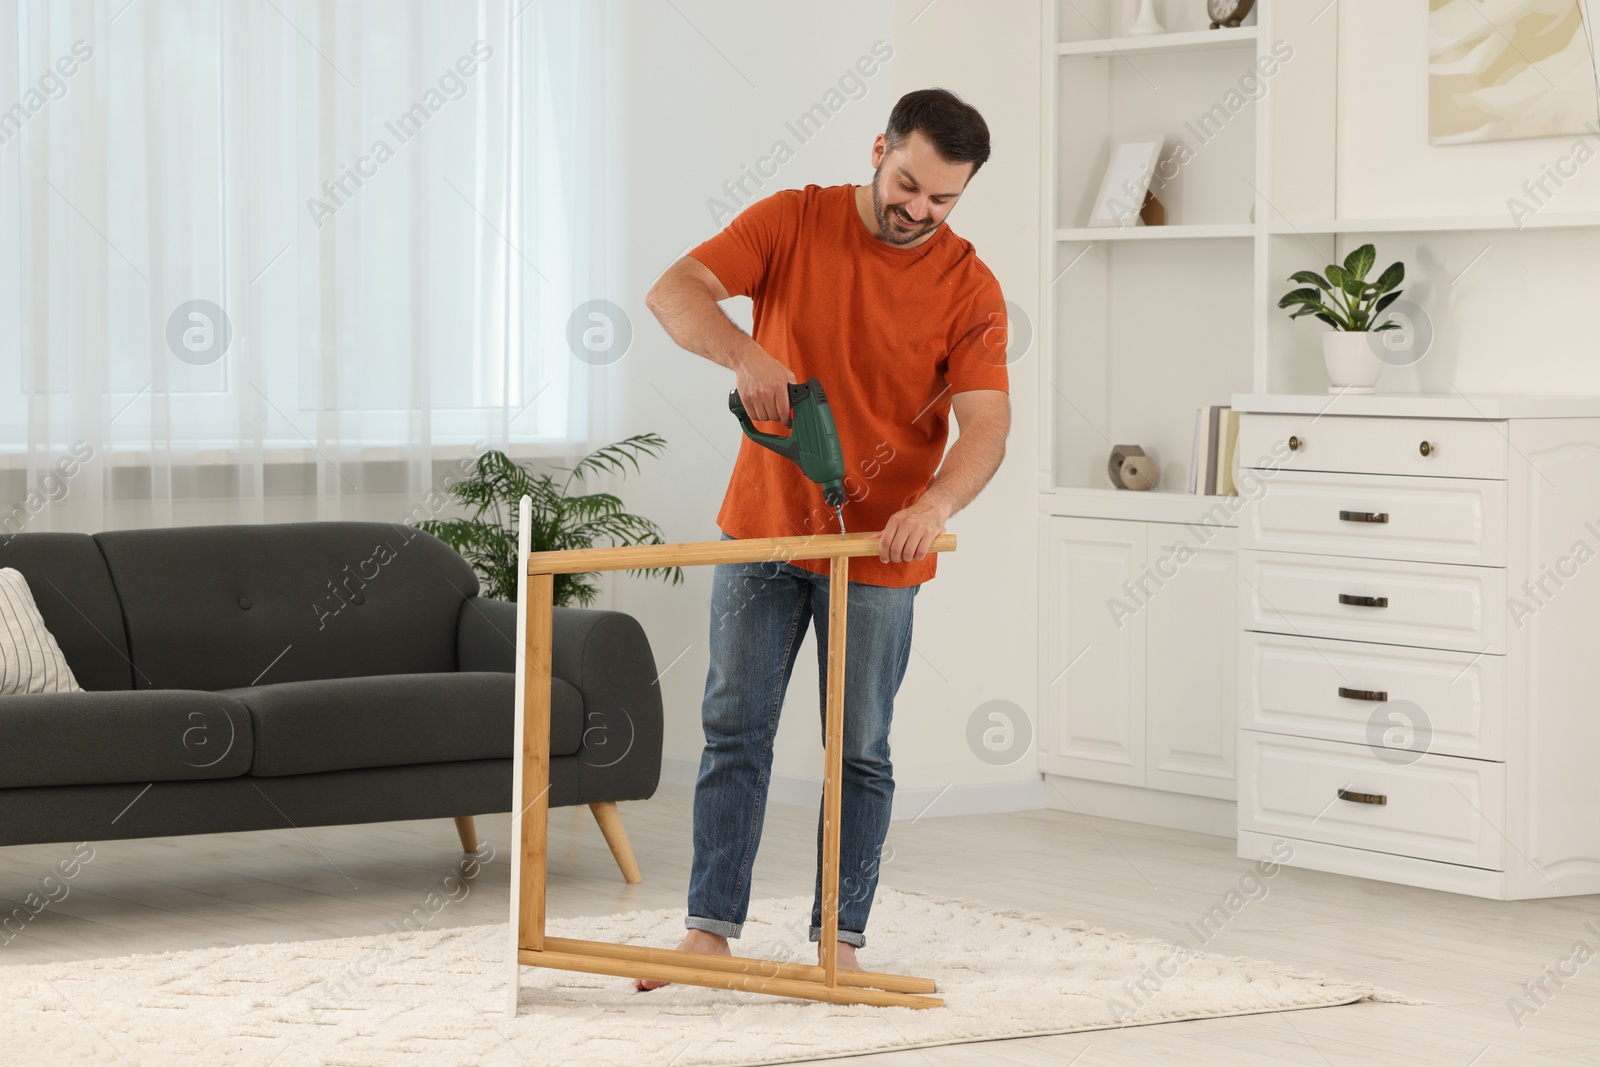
x=607, y=656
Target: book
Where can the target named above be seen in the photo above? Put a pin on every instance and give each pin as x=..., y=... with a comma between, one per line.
x=1195, y=457
x=1212, y=420
x=1228, y=439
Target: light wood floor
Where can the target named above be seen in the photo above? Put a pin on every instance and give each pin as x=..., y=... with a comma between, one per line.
x=1467, y=956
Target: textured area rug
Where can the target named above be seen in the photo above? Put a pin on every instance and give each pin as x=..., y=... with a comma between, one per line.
x=438, y=996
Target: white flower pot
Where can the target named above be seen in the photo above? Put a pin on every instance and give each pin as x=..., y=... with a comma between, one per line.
x=1353, y=365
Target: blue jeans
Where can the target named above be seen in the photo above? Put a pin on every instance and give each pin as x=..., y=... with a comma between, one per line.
x=759, y=615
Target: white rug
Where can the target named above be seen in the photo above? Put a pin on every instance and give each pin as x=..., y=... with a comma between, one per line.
x=437, y=996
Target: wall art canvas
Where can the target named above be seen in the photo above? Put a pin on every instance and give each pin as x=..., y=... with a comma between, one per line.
x=1501, y=70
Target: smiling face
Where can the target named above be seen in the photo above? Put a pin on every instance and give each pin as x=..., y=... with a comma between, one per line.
x=913, y=189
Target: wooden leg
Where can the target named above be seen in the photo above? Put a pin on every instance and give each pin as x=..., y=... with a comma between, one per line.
x=468, y=830
x=535, y=799
x=833, y=765
x=610, y=820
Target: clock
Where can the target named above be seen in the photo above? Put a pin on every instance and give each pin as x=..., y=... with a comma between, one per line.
x=1228, y=12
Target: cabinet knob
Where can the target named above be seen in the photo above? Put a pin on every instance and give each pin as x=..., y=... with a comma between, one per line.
x=1363, y=516
x=1295, y=444
x=1364, y=601
x=1363, y=798
x=1427, y=449
x=1363, y=694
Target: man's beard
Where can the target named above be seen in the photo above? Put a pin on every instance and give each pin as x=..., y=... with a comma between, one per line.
x=891, y=233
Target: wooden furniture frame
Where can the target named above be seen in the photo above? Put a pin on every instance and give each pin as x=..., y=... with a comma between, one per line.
x=530, y=947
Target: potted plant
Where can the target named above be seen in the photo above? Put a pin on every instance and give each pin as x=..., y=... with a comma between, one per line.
x=487, y=537
x=1345, y=300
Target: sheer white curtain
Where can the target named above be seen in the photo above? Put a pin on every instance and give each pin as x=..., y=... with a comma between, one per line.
x=279, y=258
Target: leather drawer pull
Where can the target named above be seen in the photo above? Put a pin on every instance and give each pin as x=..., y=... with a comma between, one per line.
x=1363, y=516
x=1363, y=798
x=1363, y=694
x=1364, y=601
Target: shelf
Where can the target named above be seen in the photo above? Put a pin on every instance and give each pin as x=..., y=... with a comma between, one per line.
x=1551, y=220
x=1145, y=505
x=1157, y=233
x=1162, y=43
x=1422, y=405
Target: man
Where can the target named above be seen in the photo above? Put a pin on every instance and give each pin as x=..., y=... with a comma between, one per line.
x=866, y=289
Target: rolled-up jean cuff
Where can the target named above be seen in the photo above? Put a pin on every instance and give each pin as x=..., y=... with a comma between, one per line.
x=713, y=926
x=849, y=937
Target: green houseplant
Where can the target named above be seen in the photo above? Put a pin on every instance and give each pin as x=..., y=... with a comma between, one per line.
x=1354, y=307
x=487, y=536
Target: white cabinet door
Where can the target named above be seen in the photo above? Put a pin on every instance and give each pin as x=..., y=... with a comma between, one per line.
x=1191, y=717
x=1094, y=649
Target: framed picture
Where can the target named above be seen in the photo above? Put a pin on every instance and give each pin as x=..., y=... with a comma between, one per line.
x=1127, y=181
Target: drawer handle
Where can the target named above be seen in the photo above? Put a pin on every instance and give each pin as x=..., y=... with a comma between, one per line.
x=1363, y=798
x=1363, y=516
x=1426, y=449
x=1363, y=694
x=1296, y=444
x=1364, y=601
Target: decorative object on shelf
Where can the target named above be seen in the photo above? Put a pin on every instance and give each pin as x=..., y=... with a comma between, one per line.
x=1125, y=197
x=1216, y=428
x=1145, y=23
x=487, y=537
x=1353, y=306
x=1130, y=468
x=1502, y=70
x=1229, y=13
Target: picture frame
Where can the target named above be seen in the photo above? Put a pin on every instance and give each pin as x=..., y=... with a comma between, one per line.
x=1127, y=181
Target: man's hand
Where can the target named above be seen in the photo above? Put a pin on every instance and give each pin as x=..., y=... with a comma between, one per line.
x=685, y=299
x=763, y=385
x=984, y=416
x=909, y=532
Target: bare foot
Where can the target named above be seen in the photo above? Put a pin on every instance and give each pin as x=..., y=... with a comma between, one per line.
x=846, y=959
x=693, y=941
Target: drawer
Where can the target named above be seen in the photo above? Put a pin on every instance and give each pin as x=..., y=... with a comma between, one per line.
x=1439, y=520
x=1431, y=605
x=1404, y=700
x=1456, y=448
x=1438, y=808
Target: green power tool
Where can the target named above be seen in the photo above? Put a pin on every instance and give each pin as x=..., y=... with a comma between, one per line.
x=813, y=440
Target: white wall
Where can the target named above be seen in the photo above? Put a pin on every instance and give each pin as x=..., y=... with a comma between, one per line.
x=1512, y=310
x=705, y=94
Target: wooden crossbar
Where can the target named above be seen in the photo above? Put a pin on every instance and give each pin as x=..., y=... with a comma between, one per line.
x=703, y=553
x=529, y=946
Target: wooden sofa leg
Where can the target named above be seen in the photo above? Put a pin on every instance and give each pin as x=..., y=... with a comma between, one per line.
x=468, y=831
x=610, y=820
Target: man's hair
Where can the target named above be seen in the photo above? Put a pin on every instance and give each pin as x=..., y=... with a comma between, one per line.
x=957, y=131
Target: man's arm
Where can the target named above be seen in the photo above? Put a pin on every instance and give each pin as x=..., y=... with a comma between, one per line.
x=685, y=300
x=984, y=418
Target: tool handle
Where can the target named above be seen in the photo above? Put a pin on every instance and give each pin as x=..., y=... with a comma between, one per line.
x=785, y=445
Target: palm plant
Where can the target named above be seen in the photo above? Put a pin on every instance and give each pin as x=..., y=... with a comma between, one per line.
x=1346, y=300
x=487, y=537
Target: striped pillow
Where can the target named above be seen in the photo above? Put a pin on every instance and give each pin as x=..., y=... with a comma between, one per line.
x=30, y=659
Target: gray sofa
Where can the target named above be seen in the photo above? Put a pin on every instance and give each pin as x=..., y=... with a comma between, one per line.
x=260, y=677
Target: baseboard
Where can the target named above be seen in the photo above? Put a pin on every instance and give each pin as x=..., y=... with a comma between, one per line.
x=979, y=798
x=1153, y=807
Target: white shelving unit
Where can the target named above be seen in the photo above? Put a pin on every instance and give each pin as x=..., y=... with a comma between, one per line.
x=1143, y=325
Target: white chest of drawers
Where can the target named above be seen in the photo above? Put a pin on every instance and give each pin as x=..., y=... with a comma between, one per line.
x=1419, y=647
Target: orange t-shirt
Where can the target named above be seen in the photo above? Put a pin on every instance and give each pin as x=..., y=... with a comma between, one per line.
x=890, y=332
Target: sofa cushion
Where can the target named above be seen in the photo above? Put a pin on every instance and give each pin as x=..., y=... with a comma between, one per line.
x=340, y=724
x=72, y=587
x=222, y=607
x=91, y=738
x=30, y=659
